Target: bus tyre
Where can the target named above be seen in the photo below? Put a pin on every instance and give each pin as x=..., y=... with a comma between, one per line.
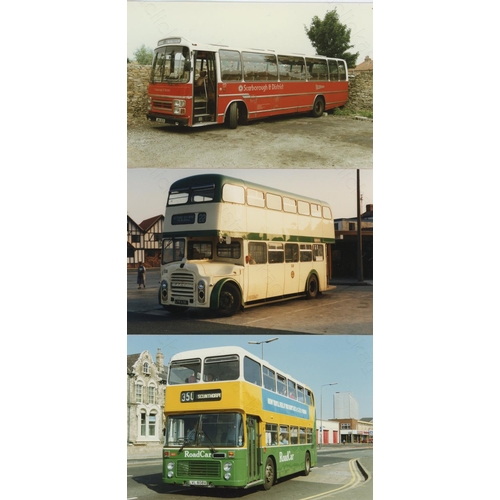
x=318, y=107
x=269, y=476
x=307, y=464
x=229, y=299
x=312, y=287
x=233, y=115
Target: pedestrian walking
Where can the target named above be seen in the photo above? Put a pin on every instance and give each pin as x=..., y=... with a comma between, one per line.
x=141, y=275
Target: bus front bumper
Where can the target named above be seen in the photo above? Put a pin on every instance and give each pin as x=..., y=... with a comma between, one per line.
x=174, y=120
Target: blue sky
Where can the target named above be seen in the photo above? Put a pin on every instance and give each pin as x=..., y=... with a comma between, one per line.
x=315, y=360
x=147, y=189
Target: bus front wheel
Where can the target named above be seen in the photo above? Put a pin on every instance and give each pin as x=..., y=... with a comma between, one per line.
x=312, y=287
x=318, y=107
x=229, y=299
x=269, y=474
x=232, y=120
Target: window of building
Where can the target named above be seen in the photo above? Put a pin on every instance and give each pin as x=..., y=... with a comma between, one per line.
x=138, y=393
x=152, y=425
x=345, y=426
x=152, y=395
x=143, y=423
x=136, y=238
x=145, y=368
x=352, y=226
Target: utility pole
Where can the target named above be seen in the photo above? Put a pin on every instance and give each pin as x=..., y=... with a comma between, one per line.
x=360, y=236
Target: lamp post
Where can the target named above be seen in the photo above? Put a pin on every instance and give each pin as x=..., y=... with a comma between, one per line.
x=262, y=342
x=321, y=416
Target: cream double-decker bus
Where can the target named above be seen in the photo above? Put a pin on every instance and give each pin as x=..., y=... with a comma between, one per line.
x=230, y=244
x=234, y=420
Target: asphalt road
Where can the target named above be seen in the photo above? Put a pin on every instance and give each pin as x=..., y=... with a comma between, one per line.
x=338, y=475
x=346, y=310
x=297, y=141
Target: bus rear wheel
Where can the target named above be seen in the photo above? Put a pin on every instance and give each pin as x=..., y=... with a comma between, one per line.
x=318, y=107
x=307, y=464
x=269, y=475
x=229, y=300
x=312, y=287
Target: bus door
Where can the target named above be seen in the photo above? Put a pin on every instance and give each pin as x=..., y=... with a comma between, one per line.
x=292, y=268
x=204, y=87
x=253, y=459
x=256, y=271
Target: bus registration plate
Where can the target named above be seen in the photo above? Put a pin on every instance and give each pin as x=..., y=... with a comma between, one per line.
x=181, y=302
x=161, y=120
x=192, y=482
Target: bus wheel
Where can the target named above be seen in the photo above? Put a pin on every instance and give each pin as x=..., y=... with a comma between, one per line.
x=312, y=287
x=233, y=115
x=175, y=309
x=229, y=300
x=269, y=474
x=307, y=465
x=318, y=107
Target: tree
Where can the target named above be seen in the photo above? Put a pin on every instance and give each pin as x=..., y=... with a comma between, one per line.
x=144, y=55
x=331, y=38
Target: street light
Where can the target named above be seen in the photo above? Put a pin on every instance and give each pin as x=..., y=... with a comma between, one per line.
x=321, y=417
x=263, y=342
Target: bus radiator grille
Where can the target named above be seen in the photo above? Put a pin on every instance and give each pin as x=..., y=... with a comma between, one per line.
x=182, y=285
x=162, y=105
x=198, y=468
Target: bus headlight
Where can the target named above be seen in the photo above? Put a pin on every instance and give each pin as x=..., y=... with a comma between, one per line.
x=170, y=466
x=170, y=474
x=201, y=291
x=164, y=290
x=179, y=106
x=227, y=476
x=227, y=467
x=150, y=103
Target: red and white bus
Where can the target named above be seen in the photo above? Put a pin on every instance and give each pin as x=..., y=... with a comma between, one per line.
x=195, y=84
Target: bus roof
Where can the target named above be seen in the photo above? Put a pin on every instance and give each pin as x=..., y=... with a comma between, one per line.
x=220, y=180
x=226, y=350
x=179, y=40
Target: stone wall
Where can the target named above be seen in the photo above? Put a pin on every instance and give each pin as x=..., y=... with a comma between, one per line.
x=360, y=92
x=137, y=93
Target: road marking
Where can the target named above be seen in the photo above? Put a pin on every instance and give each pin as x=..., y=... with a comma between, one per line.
x=353, y=482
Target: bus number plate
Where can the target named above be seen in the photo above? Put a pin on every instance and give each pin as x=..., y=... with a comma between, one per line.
x=192, y=482
x=181, y=302
x=161, y=120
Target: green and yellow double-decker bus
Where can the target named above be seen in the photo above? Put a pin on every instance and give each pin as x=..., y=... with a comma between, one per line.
x=234, y=420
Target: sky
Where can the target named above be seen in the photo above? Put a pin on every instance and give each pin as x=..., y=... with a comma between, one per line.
x=147, y=189
x=315, y=360
x=263, y=25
